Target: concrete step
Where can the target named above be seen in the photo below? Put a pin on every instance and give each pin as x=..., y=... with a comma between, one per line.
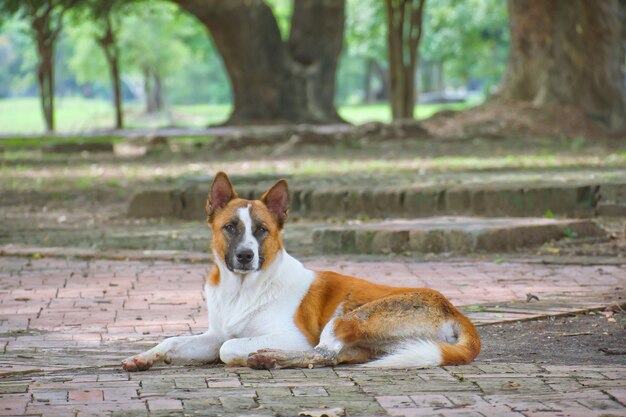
x=449, y=234
x=523, y=199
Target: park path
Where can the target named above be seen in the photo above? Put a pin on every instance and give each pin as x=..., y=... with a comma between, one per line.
x=66, y=323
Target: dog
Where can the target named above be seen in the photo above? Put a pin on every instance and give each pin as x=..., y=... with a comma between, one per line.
x=266, y=310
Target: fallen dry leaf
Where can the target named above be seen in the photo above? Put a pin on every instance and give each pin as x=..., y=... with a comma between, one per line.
x=330, y=412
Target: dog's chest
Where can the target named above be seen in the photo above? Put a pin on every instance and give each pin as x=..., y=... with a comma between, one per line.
x=257, y=305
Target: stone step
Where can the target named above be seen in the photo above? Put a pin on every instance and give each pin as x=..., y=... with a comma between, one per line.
x=449, y=234
x=577, y=199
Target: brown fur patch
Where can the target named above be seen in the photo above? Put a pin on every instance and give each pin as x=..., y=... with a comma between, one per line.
x=273, y=242
x=213, y=278
x=326, y=293
x=467, y=347
x=221, y=217
x=375, y=315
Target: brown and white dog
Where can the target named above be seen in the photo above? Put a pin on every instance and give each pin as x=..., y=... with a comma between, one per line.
x=266, y=310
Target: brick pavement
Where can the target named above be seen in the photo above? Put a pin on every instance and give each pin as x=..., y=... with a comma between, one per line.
x=66, y=324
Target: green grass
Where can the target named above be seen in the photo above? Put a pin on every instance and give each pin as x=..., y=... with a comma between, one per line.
x=381, y=112
x=23, y=115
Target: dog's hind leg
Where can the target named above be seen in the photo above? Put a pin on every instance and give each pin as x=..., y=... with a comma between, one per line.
x=198, y=348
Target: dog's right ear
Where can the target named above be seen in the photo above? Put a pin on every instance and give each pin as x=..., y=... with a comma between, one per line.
x=220, y=193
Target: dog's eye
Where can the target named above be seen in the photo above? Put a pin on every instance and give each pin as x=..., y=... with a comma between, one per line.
x=261, y=230
x=230, y=228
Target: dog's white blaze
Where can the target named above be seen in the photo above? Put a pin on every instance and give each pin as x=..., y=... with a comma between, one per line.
x=248, y=242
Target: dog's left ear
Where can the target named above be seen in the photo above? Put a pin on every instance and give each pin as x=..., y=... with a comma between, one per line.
x=277, y=201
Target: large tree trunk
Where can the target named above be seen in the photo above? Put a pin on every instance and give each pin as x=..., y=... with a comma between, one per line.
x=272, y=80
x=108, y=44
x=404, y=32
x=569, y=52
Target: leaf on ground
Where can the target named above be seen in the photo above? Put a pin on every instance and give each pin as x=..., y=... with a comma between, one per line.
x=330, y=412
x=474, y=308
x=530, y=297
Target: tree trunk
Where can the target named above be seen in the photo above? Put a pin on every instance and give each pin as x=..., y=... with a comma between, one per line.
x=404, y=32
x=108, y=43
x=383, y=75
x=368, y=94
x=45, y=78
x=273, y=80
x=117, y=93
x=568, y=52
x=45, y=38
x=157, y=91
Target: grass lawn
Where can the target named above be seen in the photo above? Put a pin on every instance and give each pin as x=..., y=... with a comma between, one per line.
x=23, y=115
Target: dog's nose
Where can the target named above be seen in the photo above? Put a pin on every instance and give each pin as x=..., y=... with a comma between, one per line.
x=245, y=256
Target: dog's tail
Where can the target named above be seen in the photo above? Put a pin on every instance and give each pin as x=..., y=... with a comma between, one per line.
x=426, y=353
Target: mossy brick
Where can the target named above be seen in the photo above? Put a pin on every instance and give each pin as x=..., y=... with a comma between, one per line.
x=326, y=202
x=418, y=203
x=390, y=241
x=384, y=200
x=478, y=204
x=355, y=204
x=504, y=202
x=193, y=204
x=537, y=201
x=334, y=241
x=295, y=201
x=363, y=240
x=588, y=196
x=459, y=241
x=156, y=203
x=457, y=201
x=368, y=202
x=432, y=241
x=535, y=235
x=497, y=240
x=563, y=200
x=305, y=201
x=395, y=202
x=612, y=193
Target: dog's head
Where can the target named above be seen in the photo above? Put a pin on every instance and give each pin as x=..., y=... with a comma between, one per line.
x=246, y=233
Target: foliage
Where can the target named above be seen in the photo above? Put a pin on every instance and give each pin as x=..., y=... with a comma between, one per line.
x=18, y=58
x=470, y=37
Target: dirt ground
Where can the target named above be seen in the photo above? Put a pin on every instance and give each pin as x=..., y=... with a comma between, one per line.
x=585, y=339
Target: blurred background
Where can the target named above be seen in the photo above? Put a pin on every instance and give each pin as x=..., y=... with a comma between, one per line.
x=172, y=74
x=114, y=114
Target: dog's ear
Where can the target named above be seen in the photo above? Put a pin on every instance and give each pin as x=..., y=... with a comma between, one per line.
x=277, y=201
x=220, y=193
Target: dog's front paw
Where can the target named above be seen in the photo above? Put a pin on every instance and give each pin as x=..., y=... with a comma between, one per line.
x=136, y=363
x=143, y=362
x=263, y=359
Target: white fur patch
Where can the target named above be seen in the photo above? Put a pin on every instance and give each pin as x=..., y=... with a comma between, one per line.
x=328, y=339
x=449, y=332
x=248, y=241
x=411, y=354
